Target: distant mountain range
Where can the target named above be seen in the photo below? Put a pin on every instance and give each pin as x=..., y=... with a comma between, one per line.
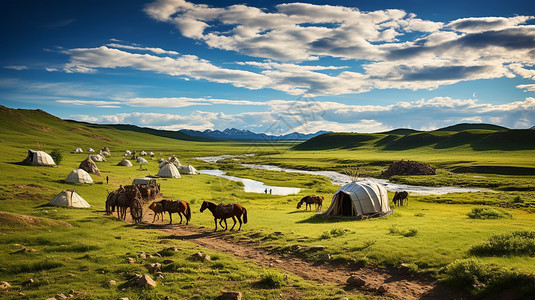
x=246, y=135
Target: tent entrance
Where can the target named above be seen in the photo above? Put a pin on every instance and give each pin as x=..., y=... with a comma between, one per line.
x=346, y=207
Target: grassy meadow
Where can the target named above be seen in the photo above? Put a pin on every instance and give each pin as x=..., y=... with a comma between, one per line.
x=82, y=249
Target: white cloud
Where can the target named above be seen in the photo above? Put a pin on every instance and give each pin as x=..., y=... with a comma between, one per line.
x=16, y=67
x=309, y=116
x=472, y=25
x=527, y=87
x=150, y=49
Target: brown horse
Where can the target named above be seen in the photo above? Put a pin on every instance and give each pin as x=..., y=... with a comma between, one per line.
x=127, y=195
x=309, y=200
x=157, y=208
x=400, y=198
x=178, y=206
x=224, y=211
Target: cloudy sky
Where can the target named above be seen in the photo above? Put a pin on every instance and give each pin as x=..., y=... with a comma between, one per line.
x=272, y=66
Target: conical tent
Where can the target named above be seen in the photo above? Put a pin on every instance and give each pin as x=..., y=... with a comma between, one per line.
x=79, y=175
x=189, y=169
x=141, y=160
x=143, y=153
x=89, y=166
x=69, y=198
x=98, y=157
x=78, y=150
x=90, y=150
x=39, y=158
x=125, y=162
x=175, y=161
x=127, y=152
x=169, y=170
x=359, y=199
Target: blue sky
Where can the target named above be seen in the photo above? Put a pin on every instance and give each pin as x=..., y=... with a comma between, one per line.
x=272, y=66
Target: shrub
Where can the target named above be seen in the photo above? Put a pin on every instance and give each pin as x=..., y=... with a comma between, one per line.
x=272, y=279
x=337, y=232
x=481, y=279
x=325, y=235
x=56, y=156
x=488, y=213
x=404, y=232
x=514, y=243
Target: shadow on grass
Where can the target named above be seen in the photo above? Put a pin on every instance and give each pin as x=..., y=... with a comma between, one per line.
x=320, y=218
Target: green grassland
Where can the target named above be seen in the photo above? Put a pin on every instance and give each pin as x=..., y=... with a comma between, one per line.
x=82, y=249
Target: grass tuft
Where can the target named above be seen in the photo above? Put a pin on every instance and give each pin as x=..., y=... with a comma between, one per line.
x=272, y=279
x=516, y=243
x=409, y=232
x=489, y=213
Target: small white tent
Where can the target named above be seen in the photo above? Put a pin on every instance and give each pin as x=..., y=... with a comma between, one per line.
x=98, y=158
x=151, y=154
x=143, y=153
x=69, y=198
x=39, y=158
x=360, y=199
x=169, y=170
x=78, y=150
x=127, y=152
x=79, y=175
x=141, y=160
x=90, y=150
x=125, y=162
x=175, y=161
x=189, y=169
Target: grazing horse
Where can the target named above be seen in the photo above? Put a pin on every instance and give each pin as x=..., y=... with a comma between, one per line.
x=400, y=198
x=111, y=202
x=178, y=206
x=309, y=200
x=157, y=208
x=224, y=211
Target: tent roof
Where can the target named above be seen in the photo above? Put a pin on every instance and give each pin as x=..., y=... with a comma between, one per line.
x=169, y=170
x=189, y=169
x=79, y=175
x=125, y=162
x=69, y=198
x=366, y=197
x=39, y=158
x=141, y=160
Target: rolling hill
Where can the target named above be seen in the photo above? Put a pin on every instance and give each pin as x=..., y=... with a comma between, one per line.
x=476, y=136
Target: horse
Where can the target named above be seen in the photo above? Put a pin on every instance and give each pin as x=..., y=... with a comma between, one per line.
x=157, y=208
x=309, y=200
x=127, y=195
x=111, y=202
x=178, y=206
x=224, y=211
x=400, y=198
x=136, y=210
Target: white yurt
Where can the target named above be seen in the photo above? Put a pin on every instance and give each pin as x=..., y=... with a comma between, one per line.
x=69, y=198
x=90, y=150
x=169, y=170
x=39, y=158
x=79, y=175
x=141, y=160
x=359, y=199
x=143, y=153
x=127, y=152
x=189, y=169
x=98, y=158
x=151, y=154
x=78, y=150
x=125, y=163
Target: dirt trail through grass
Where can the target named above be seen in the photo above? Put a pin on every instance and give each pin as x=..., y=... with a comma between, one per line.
x=399, y=286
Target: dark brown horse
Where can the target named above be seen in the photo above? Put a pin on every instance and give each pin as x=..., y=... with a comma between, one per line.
x=224, y=211
x=157, y=208
x=126, y=197
x=309, y=200
x=178, y=206
x=401, y=198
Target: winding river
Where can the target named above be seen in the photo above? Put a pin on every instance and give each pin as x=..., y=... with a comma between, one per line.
x=336, y=178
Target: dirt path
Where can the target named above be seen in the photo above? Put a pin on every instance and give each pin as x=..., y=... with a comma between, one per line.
x=398, y=286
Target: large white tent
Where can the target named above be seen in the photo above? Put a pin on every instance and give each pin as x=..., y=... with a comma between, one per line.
x=169, y=170
x=125, y=162
x=189, y=169
x=69, y=198
x=39, y=158
x=79, y=175
x=98, y=157
x=141, y=160
x=360, y=199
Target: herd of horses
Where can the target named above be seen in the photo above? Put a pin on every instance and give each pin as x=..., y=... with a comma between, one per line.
x=132, y=197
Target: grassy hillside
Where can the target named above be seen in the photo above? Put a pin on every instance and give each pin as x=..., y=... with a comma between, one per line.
x=475, y=136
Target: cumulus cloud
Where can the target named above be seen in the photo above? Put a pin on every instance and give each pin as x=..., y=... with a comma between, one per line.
x=281, y=116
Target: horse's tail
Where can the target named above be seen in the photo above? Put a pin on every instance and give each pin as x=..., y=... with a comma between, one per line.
x=244, y=215
x=188, y=211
